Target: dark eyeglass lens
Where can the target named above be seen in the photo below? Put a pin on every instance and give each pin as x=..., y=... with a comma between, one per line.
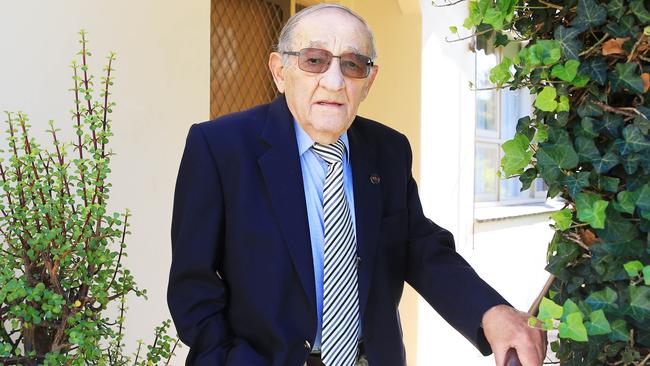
x=318, y=61
x=354, y=65
x=314, y=60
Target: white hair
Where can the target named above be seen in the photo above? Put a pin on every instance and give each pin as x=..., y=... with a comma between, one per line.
x=286, y=34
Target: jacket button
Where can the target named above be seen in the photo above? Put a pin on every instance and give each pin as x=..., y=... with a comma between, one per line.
x=307, y=345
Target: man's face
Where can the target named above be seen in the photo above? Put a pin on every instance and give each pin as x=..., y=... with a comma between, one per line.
x=325, y=104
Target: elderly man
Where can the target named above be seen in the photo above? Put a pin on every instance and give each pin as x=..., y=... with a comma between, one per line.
x=296, y=224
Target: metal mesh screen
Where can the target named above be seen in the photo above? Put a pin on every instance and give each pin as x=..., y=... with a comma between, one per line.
x=241, y=38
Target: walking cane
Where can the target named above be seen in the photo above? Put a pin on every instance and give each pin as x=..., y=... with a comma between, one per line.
x=511, y=356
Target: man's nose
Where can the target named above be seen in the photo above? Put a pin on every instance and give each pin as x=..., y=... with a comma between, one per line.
x=332, y=78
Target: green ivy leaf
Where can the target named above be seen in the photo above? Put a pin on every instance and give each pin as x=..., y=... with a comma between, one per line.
x=620, y=331
x=646, y=275
x=527, y=178
x=568, y=39
x=625, y=202
x=589, y=108
x=453, y=29
x=517, y=155
x=523, y=127
x=640, y=11
x=501, y=40
x=606, y=163
x=551, y=159
x=561, y=253
x=586, y=148
x=628, y=24
x=566, y=72
x=545, y=100
x=580, y=80
x=595, y=68
x=603, y=299
x=541, y=133
x=562, y=218
x=476, y=12
x=591, y=209
x=626, y=76
x=495, y=18
x=548, y=309
x=574, y=328
x=590, y=15
x=639, y=302
x=615, y=8
x=501, y=74
x=612, y=123
x=643, y=197
x=634, y=140
x=563, y=106
x=569, y=307
x=631, y=163
x=545, y=52
x=641, y=122
x=617, y=229
x=576, y=182
x=587, y=128
x=633, y=268
x=598, y=324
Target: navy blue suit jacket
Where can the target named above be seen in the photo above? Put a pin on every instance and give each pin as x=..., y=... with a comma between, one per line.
x=241, y=286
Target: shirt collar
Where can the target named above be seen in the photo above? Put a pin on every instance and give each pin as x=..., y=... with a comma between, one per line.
x=305, y=142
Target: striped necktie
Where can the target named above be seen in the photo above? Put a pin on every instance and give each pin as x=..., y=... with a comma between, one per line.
x=340, y=332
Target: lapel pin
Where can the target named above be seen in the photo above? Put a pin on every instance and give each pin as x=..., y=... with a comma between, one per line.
x=374, y=178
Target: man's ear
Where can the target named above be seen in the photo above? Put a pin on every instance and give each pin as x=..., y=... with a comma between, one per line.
x=277, y=70
x=371, y=79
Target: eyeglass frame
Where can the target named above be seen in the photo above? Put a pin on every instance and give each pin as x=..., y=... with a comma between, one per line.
x=369, y=63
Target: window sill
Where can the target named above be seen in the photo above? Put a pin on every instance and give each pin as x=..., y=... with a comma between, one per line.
x=496, y=212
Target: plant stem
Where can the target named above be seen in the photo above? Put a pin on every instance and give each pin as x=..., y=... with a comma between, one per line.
x=550, y=5
x=172, y=352
x=594, y=45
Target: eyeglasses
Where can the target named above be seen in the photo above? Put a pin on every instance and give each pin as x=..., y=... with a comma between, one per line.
x=318, y=61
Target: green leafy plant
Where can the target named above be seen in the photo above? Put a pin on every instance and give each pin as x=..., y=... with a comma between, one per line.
x=61, y=256
x=587, y=62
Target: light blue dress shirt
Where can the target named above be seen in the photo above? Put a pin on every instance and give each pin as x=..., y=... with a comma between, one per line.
x=314, y=170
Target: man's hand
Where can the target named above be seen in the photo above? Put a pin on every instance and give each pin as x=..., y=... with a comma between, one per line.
x=505, y=328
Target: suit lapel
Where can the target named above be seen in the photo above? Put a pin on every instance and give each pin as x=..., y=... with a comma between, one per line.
x=280, y=165
x=367, y=205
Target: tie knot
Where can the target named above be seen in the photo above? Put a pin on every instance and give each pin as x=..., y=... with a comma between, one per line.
x=331, y=153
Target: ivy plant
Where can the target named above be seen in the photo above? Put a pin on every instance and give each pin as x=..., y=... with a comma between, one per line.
x=63, y=286
x=587, y=62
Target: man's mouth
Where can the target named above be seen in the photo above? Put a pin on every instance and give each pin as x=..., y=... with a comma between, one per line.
x=329, y=103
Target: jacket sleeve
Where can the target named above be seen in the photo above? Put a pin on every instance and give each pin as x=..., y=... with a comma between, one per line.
x=196, y=295
x=442, y=276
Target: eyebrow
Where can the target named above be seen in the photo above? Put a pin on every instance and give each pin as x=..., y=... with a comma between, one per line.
x=321, y=44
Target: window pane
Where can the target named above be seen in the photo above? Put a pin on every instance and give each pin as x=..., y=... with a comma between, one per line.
x=484, y=63
x=486, y=100
x=485, y=172
x=509, y=113
x=486, y=119
x=514, y=105
x=510, y=188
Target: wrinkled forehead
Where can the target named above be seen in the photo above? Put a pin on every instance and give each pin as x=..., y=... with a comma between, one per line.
x=332, y=30
x=326, y=45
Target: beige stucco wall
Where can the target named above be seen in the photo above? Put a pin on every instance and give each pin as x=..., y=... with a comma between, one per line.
x=161, y=87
